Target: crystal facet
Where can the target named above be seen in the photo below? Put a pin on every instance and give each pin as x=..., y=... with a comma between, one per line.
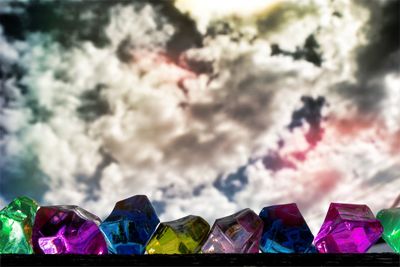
x=183, y=236
x=348, y=228
x=285, y=230
x=237, y=233
x=16, y=221
x=67, y=230
x=130, y=225
x=390, y=220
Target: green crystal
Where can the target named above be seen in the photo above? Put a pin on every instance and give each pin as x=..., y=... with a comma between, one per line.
x=390, y=220
x=183, y=236
x=16, y=221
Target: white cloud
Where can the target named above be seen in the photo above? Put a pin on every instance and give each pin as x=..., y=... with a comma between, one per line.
x=153, y=138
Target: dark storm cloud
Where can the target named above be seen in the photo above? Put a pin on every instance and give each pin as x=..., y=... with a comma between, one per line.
x=67, y=21
x=385, y=176
x=71, y=22
x=232, y=183
x=309, y=51
x=159, y=206
x=244, y=105
x=219, y=28
x=248, y=99
x=92, y=104
x=93, y=181
x=246, y=108
x=275, y=162
x=384, y=39
x=13, y=94
x=198, y=189
x=21, y=175
x=310, y=113
x=186, y=35
x=379, y=57
x=189, y=150
x=247, y=105
x=124, y=51
x=198, y=65
x=12, y=25
x=20, y=172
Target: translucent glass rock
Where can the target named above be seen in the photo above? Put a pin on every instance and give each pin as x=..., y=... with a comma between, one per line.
x=67, y=230
x=130, y=225
x=183, y=236
x=390, y=220
x=16, y=221
x=285, y=230
x=237, y=233
x=348, y=228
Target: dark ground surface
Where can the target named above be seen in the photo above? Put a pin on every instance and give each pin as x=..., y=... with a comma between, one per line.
x=373, y=259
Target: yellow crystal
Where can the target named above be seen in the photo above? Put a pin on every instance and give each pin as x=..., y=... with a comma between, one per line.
x=183, y=236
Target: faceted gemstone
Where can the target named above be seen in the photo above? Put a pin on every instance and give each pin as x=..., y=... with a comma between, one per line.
x=390, y=220
x=183, y=236
x=130, y=225
x=16, y=222
x=237, y=233
x=348, y=228
x=285, y=230
x=311, y=249
x=67, y=230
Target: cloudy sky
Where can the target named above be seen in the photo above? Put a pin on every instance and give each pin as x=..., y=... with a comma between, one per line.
x=205, y=106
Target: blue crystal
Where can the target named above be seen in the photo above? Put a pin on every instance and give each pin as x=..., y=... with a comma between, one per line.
x=285, y=230
x=130, y=225
x=312, y=249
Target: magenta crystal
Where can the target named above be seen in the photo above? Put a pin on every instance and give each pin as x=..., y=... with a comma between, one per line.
x=67, y=230
x=348, y=228
x=237, y=233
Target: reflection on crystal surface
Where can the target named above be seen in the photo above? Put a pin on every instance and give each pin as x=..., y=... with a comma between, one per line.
x=67, y=230
x=237, y=233
x=285, y=230
x=390, y=220
x=130, y=225
x=182, y=236
x=348, y=228
x=16, y=221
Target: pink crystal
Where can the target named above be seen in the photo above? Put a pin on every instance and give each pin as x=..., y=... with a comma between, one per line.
x=348, y=228
x=237, y=233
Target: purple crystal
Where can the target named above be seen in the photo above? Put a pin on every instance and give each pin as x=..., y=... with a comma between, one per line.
x=67, y=230
x=237, y=233
x=348, y=228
